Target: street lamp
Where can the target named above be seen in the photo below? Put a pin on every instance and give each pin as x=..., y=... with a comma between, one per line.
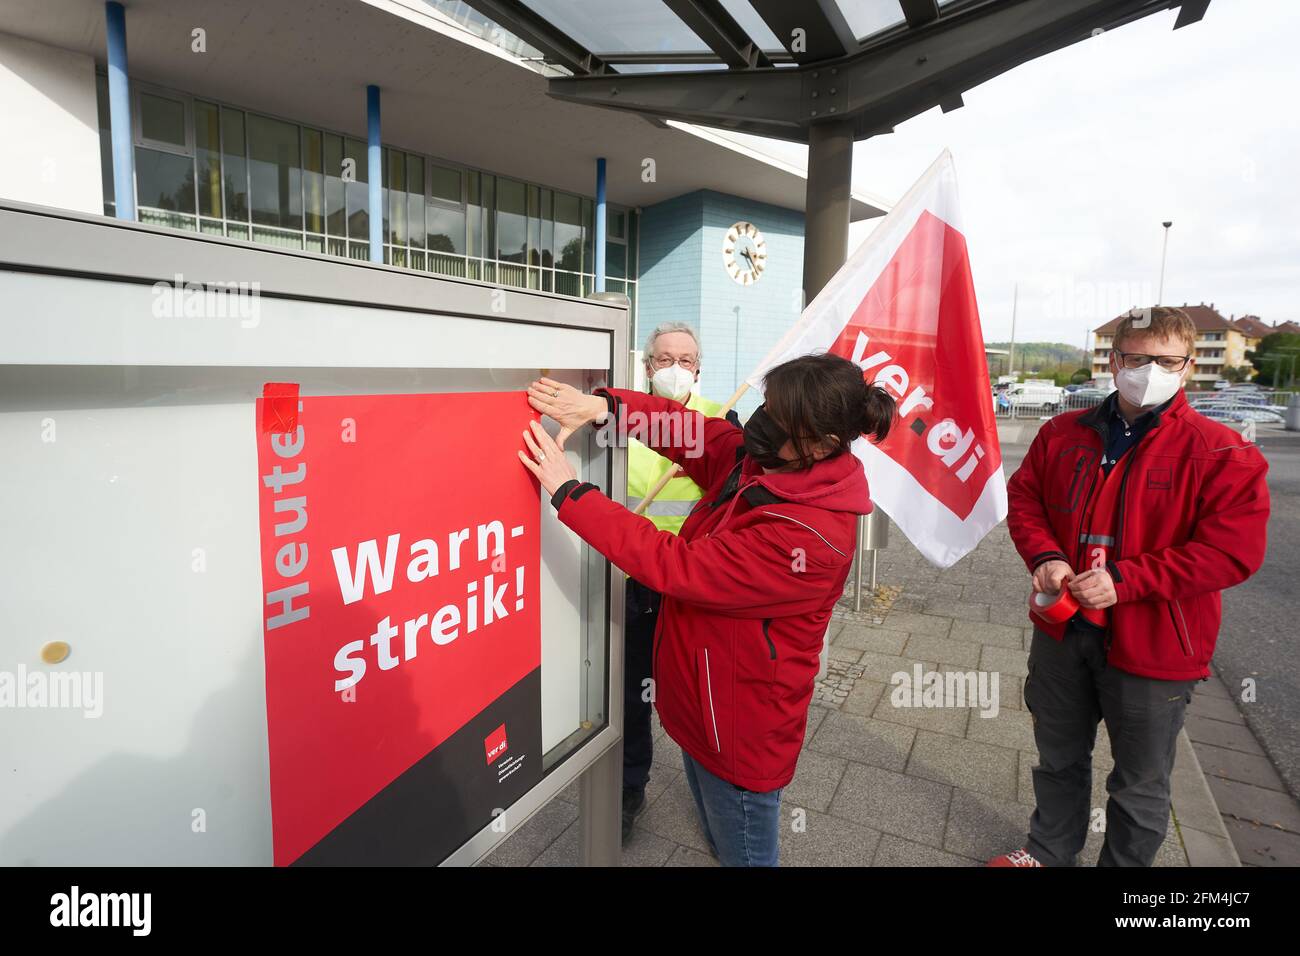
x=1160, y=296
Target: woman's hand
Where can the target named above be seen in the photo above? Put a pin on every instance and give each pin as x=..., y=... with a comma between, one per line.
x=548, y=464
x=566, y=405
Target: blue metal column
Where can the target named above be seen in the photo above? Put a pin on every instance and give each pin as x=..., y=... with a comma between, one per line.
x=600, y=224
x=375, y=172
x=119, y=113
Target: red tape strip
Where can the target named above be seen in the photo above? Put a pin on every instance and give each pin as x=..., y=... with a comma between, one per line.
x=279, y=407
x=1054, y=608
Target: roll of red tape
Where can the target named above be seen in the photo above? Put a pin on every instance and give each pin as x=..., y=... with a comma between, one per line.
x=1054, y=608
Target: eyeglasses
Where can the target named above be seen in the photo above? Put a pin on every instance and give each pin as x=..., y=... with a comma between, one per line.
x=1170, y=363
x=664, y=361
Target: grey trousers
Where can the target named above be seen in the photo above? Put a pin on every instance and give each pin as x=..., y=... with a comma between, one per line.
x=1068, y=691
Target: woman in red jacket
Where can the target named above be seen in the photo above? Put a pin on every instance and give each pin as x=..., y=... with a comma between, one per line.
x=748, y=584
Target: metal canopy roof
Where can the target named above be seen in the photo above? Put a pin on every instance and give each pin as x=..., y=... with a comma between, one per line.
x=875, y=63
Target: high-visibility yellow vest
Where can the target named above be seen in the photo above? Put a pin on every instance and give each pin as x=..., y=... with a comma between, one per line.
x=644, y=469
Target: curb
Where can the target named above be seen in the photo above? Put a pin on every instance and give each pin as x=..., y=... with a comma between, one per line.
x=1196, y=814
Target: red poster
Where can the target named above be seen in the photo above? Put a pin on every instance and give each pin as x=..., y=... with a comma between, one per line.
x=400, y=545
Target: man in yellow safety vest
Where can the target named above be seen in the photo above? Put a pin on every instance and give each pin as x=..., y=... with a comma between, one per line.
x=672, y=365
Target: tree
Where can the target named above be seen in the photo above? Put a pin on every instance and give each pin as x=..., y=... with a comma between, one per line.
x=1080, y=376
x=1275, y=357
x=1237, y=373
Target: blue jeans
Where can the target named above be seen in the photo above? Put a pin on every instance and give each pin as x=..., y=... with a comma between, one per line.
x=742, y=826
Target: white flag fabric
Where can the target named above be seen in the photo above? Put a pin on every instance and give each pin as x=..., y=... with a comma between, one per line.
x=903, y=308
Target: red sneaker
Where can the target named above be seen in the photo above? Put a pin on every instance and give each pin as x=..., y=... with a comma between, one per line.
x=1014, y=858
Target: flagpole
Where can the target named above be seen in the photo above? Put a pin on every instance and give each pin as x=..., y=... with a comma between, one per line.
x=676, y=469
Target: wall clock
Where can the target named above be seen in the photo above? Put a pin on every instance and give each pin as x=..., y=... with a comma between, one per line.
x=744, y=253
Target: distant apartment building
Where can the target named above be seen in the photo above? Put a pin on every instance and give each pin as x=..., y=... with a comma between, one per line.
x=1220, y=342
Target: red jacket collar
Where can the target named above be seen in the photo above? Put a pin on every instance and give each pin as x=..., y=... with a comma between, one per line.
x=1099, y=416
x=836, y=484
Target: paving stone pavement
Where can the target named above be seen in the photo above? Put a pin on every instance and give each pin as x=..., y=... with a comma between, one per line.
x=1261, y=816
x=885, y=785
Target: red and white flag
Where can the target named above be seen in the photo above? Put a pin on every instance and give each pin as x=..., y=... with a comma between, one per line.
x=903, y=308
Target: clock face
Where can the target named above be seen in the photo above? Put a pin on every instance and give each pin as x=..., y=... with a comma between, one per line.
x=744, y=253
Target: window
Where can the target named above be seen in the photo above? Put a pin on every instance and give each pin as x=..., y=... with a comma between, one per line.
x=488, y=197
x=473, y=216
x=165, y=181
x=207, y=158
x=225, y=171
x=534, y=230
x=512, y=221
x=395, y=205
x=568, y=232
x=235, y=173
x=357, y=194
x=335, y=206
x=415, y=200
x=274, y=174
x=547, y=245
x=445, y=221
x=162, y=122
x=444, y=184
x=164, y=160
x=446, y=227
x=313, y=182
x=615, y=247
x=633, y=236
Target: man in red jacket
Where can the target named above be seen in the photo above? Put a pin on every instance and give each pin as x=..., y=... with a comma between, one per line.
x=1142, y=510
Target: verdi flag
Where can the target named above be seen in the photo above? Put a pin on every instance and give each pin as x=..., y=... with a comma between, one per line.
x=903, y=308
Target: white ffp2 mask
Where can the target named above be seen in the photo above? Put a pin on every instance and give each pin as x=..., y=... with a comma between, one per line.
x=672, y=382
x=1149, y=385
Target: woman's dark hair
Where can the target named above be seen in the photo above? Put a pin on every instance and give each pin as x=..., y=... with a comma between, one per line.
x=818, y=398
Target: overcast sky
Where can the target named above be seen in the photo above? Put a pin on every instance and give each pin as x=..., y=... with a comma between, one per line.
x=1068, y=165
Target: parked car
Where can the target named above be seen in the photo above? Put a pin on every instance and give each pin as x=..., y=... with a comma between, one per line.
x=1048, y=398
x=1086, y=397
x=1235, y=399
x=1238, y=412
x=1221, y=384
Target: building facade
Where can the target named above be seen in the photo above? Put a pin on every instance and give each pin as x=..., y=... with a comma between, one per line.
x=271, y=124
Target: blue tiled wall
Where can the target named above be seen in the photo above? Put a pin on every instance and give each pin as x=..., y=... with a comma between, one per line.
x=682, y=279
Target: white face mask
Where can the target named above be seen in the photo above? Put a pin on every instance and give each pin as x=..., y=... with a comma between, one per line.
x=672, y=382
x=1149, y=385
